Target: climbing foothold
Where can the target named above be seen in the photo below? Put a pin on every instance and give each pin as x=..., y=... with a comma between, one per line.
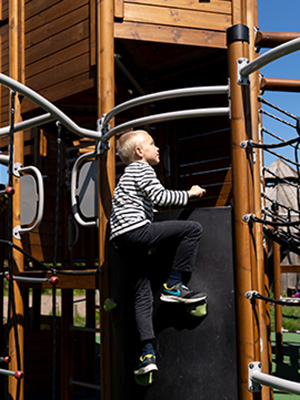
x=197, y=309
x=109, y=305
x=10, y=190
x=145, y=379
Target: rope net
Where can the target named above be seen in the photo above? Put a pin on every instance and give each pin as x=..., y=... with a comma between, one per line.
x=280, y=180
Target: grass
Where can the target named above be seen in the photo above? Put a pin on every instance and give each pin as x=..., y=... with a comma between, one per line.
x=290, y=317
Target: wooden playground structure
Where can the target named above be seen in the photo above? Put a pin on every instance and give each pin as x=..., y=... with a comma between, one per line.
x=81, y=60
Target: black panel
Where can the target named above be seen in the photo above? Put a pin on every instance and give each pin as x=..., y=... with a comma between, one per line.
x=196, y=356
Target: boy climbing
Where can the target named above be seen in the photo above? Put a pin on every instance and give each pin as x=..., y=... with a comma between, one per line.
x=133, y=233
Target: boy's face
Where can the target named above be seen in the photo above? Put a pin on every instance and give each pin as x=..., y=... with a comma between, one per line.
x=148, y=151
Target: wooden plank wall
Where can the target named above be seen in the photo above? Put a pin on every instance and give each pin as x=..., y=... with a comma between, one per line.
x=4, y=93
x=59, y=52
x=192, y=22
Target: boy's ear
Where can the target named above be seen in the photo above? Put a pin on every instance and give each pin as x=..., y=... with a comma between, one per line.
x=138, y=151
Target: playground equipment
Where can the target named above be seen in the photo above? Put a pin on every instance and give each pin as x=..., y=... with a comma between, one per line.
x=51, y=248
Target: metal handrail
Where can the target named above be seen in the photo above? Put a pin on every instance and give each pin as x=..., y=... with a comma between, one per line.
x=164, y=95
x=271, y=55
x=27, y=124
x=256, y=378
x=174, y=115
x=48, y=106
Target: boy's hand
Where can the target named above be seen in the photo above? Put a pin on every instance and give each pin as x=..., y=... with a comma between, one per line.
x=196, y=192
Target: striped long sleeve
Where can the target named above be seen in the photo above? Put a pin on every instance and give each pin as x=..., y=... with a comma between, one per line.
x=137, y=192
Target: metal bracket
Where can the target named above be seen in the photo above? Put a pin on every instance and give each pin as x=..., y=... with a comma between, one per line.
x=250, y=294
x=248, y=217
x=242, y=80
x=253, y=386
x=16, y=169
x=102, y=146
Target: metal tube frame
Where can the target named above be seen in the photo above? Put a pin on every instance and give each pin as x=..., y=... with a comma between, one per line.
x=48, y=106
x=29, y=123
x=258, y=378
x=245, y=68
x=204, y=112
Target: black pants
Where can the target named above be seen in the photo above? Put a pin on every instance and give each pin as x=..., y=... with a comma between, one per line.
x=134, y=245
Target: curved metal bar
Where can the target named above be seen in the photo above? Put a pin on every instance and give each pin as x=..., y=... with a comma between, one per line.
x=48, y=106
x=74, y=203
x=30, y=123
x=271, y=55
x=165, y=95
x=18, y=229
x=256, y=377
x=4, y=159
x=201, y=112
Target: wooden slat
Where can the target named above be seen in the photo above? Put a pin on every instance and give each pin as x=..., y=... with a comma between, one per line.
x=58, y=42
x=47, y=63
x=60, y=12
x=61, y=24
x=166, y=34
x=60, y=73
x=221, y=7
x=36, y=7
x=64, y=89
x=176, y=17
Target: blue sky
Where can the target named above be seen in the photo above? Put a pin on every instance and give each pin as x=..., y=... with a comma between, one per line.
x=273, y=15
x=276, y=15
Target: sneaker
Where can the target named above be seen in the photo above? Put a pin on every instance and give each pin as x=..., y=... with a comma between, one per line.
x=146, y=364
x=180, y=294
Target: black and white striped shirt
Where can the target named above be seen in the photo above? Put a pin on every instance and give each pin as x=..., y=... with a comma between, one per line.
x=135, y=195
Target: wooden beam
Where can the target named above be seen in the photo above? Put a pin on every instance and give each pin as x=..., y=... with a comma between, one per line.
x=280, y=85
x=16, y=71
x=176, y=17
x=168, y=34
x=106, y=174
x=268, y=39
x=290, y=268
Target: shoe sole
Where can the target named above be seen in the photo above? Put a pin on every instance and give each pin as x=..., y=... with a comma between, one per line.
x=146, y=369
x=175, y=299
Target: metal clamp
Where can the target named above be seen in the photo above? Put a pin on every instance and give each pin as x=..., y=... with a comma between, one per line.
x=253, y=386
x=242, y=80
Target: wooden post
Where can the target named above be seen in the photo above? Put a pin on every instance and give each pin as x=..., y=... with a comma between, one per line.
x=263, y=309
x=106, y=165
x=16, y=71
x=237, y=37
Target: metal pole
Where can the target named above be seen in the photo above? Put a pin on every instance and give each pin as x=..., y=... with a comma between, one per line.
x=48, y=106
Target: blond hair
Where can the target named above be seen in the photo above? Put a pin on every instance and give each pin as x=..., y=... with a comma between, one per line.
x=127, y=144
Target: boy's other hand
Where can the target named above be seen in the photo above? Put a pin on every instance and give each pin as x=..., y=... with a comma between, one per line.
x=196, y=192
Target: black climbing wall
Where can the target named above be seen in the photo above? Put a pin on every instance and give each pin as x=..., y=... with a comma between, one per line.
x=196, y=356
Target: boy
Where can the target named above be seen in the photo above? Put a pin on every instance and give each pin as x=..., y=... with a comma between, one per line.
x=133, y=233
